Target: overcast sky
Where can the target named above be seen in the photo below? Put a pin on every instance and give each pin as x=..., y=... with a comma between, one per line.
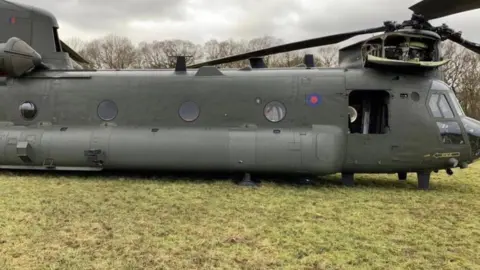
x=201, y=20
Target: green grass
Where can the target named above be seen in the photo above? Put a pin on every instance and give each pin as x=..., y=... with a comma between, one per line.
x=70, y=222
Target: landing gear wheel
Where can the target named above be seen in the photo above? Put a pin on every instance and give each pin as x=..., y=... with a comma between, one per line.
x=402, y=176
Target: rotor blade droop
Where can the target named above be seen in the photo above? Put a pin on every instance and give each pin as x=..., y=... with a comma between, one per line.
x=299, y=45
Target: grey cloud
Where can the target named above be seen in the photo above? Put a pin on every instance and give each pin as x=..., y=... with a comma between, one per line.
x=345, y=16
x=106, y=15
x=110, y=15
x=258, y=17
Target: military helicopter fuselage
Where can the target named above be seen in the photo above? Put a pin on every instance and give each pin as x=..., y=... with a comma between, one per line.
x=275, y=120
x=386, y=109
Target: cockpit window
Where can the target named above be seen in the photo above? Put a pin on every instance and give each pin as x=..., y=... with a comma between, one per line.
x=433, y=104
x=440, y=86
x=450, y=133
x=440, y=106
x=445, y=107
x=456, y=104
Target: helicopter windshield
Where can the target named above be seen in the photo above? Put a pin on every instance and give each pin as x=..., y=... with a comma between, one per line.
x=456, y=104
x=442, y=86
x=472, y=128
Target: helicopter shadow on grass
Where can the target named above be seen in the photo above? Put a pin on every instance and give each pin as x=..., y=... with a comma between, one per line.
x=120, y=175
x=362, y=181
x=381, y=181
x=334, y=181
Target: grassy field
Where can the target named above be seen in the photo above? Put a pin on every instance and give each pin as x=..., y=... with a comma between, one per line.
x=72, y=222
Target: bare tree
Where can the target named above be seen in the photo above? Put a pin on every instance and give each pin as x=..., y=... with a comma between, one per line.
x=215, y=49
x=75, y=43
x=176, y=47
x=92, y=51
x=152, y=55
x=323, y=56
x=462, y=73
x=232, y=47
x=453, y=70
x=109, y=52
x=212, y=49
x=468, y=88
x=163, y=54
x=118, y=52
x=327, y=56
x=287, y=59
x=263, y=43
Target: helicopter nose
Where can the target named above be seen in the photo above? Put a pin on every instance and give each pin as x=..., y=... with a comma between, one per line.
x=472, y=127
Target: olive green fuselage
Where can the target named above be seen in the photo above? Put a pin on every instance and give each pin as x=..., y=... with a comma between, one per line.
x=231, y=131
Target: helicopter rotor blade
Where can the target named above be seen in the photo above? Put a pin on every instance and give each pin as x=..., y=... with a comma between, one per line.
x=73, y=54
x=315, y=42
x=475, y=47
x=433, y=9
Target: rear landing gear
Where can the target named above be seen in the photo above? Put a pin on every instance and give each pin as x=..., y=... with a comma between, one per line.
x=423, y=179
x=348, y=179
x=247, y=181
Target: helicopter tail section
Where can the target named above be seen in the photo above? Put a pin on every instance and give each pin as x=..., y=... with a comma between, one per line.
x=39, y=29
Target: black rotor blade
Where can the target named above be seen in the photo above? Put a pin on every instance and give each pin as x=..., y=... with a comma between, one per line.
x=475, y=47
x=433, y=9
x=315, y=42
x=73, y=54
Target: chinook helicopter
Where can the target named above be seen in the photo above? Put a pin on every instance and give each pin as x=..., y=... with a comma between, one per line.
x=385, y=109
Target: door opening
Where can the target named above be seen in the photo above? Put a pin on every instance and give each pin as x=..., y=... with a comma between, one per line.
x=368, y=111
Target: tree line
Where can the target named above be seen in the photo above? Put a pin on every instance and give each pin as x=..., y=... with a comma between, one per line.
x=117, y=52
x=462, y=73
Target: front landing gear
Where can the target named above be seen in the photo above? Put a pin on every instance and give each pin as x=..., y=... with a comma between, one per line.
x=402, y=176
x=423, y=180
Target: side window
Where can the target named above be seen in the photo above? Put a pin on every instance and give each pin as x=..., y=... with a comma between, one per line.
x=456, y=104
x=450, y=132
x=189, y=111
x=274, y=111
x=440, y=107
x=433, y=104
x=445, y=107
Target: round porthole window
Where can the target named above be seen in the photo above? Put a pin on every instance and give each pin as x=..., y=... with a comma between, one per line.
x=415, y=96
x=274, y=111
x=28, y=110
x=189, y=111
x=107, y=110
